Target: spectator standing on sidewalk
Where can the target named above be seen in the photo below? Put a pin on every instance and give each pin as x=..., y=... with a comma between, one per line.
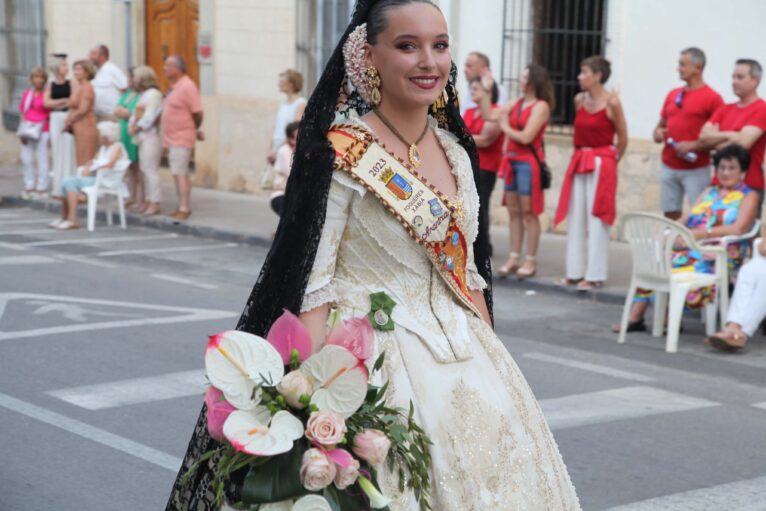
x=523, y=122
x=290, y=110
x=124, y=111
x=57, y=101
x=685, y=168
x=143, y=127
x=282, y=166
x=32, y=110
x=489, y=140
x=477, y=65
x=742, y=123
x=588, y=195
x=181, y=121
x=81, y=119
x=109, y=83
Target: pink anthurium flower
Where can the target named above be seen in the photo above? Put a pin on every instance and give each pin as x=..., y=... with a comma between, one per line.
x=341, y=457
x=356, y=335
x=218, y=410
x=339, y=380
x=288, y=334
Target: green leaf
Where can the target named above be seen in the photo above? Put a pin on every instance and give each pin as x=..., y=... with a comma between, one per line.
x=381, y=303
x=379, y=362
x=275, y=480
x=340, y=500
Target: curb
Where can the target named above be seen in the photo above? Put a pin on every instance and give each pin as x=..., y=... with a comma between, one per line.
x=154, y=222
x=168, y=225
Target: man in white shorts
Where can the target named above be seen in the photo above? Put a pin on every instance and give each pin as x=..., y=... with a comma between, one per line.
x=181, y=120
x=685, y=168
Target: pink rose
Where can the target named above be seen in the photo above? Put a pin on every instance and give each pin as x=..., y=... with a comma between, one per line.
x=218, y=409
x=325, y=428
x=317, y=470
x=293, y=386
x=372, y=446
x=356, y=335
x=346, y=476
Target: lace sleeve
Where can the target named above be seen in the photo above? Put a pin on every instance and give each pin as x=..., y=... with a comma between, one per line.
x=321, y=287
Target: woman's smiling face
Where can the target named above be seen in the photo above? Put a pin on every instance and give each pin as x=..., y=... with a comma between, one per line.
x=412, y=55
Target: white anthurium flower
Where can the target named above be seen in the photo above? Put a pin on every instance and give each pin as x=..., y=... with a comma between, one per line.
x=312, y=503
x=238, y=363
x=339, y=378
x=285, y=505
x=250, y=431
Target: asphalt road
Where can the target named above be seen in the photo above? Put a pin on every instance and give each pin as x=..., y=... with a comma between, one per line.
x=101, y=343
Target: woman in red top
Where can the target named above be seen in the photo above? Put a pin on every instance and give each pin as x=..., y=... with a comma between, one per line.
x=489, y=141
x=590, y=185
x=523, y=121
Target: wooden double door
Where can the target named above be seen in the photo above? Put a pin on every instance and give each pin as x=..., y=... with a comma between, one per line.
x=171, y=29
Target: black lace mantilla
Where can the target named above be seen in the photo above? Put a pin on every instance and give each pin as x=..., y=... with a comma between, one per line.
x=284, y=275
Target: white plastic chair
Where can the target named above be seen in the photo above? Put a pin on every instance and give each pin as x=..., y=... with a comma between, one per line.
x=651, y=239
x=108, y=182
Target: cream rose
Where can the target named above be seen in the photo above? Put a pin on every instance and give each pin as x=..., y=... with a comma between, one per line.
x=317, y=470
x=293, y=386
x=372, y=446
x=326, y=428
x=346, y=476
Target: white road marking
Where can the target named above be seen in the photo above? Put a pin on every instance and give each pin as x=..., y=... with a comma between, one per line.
x=586, y=366
x=760, y=405
x=616, y=404
x=5, y=215
x=84, y=430
x=86, y=260
x=134, y=391
x=28, y=231
x=179, y=314
x=749, y=495
x=12, y=246
x=39, y=220
x=181, y=280
x=83, y=241
x=25, y=259
x=164, y=249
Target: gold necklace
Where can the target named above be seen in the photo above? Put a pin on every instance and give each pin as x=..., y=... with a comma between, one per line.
x=413, y=153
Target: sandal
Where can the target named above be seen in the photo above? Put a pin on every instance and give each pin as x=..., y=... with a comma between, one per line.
x=528, y=269
x=182, y=215
x=510, y=266
x=588, y=285
x=66, y=225
x=733, y=342
x=564, y=281
x=633, y=326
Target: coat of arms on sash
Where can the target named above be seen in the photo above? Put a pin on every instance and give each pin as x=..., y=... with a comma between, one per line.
x=436, y=207
x=396, y=184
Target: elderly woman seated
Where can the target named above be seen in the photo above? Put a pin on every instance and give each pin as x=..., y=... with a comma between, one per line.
x=748, y=305
x=111, y=153
x=724, y=209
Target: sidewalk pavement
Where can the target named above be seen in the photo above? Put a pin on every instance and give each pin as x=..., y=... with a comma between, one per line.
x=245, y=218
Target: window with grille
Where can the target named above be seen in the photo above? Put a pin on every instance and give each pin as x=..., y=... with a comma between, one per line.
x=320, y=25
x=22, y=47
x=557, y=34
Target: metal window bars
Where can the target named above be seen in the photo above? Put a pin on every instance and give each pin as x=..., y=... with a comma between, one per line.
x=557, y=34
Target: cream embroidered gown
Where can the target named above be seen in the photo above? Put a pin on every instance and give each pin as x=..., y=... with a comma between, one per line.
x=492, y=448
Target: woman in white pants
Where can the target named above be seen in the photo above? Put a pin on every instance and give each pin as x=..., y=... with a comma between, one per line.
x=748, y=304
x=143, y=126
x=57, y=95
x=590, y=185
x=32, y=110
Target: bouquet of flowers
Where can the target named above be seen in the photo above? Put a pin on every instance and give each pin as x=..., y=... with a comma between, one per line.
x=307, y=430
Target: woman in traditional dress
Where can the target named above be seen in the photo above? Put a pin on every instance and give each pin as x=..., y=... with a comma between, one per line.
x=395, y=210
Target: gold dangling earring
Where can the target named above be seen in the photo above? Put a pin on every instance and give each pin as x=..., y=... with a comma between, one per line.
x=374, y=78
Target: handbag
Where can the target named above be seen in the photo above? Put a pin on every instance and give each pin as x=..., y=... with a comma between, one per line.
x=546, y=177
x=29, y=130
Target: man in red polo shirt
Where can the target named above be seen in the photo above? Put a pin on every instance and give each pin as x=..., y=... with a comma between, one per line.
x=743, y=122
x=685, y=168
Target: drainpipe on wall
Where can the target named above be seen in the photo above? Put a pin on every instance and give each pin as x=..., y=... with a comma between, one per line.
x=128, y=33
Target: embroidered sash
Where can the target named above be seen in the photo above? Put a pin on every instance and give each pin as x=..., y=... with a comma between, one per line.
x=425, y=213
